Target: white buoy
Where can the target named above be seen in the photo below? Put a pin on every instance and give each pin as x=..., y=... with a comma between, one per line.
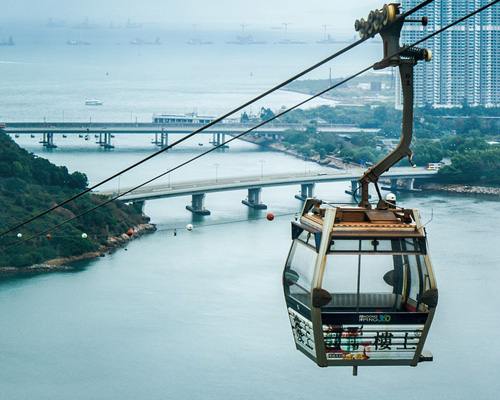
x=19, y=235
x=189, y=227
x=84, y=235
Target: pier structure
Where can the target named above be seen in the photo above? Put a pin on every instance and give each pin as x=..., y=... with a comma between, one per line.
x=402, y=185
x=253, y=199
x=218, y=139
x=198, y=205
x=48, y=140
x=354, y=188
x=161, y=139
x=104, y=140
x=306, y=191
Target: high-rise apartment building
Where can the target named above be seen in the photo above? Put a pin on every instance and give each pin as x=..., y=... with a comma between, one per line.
x=466, y=58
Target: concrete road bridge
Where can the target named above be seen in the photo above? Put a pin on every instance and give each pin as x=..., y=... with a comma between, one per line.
x=254, y=185
x=104, y=132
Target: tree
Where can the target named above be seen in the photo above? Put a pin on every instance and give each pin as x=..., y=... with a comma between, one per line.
x=266, y=113
x=244, y=118
x=427, y=151
x=78, y=180
x=474, y=166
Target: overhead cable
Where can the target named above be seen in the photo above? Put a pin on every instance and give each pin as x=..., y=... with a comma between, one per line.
x=217, y=120
x=253, y=128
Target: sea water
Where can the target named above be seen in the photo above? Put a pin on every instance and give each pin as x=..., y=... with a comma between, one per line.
x=201, y=314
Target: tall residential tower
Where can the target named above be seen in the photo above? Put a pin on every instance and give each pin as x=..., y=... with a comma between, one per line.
x=466, y=57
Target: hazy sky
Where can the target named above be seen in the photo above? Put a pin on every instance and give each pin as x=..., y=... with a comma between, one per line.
x=210, y=14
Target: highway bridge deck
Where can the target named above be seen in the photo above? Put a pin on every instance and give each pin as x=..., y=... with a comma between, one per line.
x=254, y=185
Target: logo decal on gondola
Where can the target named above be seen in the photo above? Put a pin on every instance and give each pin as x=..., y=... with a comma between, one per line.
x=375, y=318
x=302, y=331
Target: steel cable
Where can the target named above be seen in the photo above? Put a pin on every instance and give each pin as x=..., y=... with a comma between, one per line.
x=217, y=120
x=253, y=128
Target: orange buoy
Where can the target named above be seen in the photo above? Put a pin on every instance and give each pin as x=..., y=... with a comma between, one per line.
x=270, y=216
x=48, y=235
x=130, y=232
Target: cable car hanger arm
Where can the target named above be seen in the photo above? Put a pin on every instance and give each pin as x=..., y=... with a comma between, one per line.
x=405, y=58
x=403, y=148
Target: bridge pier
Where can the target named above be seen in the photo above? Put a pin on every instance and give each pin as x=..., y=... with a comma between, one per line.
x=107, y=141
x=254, y=199
x=306, y=191
x=407, y=185
x=141, y=204
x=198, y=205
x=218, y=139
x=354, y=188
x=161, y=139
x=48, y=141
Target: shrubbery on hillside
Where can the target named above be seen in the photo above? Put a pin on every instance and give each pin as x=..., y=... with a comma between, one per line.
x=30, y=185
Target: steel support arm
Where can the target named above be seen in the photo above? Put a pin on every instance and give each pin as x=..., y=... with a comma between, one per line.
x=403, y=148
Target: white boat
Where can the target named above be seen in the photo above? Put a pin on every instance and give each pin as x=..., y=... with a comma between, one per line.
x=93, y=103
x=77, y=43
x=198, y=40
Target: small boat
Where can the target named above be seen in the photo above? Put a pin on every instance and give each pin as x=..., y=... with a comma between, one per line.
x=77, y=43
x=200, y=144
x=93, y=103
x=289, y=41
x=140, y=41
x=246, y=39
x=198, y=40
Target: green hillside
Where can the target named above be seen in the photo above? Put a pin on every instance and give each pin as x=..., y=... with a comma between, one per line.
x=30, y=185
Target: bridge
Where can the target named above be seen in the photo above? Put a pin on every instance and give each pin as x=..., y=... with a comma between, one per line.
x=105, y=131
x=254, y=185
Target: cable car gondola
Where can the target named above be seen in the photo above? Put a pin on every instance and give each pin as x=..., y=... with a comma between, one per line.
x=359, y=284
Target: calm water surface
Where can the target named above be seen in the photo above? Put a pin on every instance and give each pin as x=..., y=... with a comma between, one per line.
x=201, y=315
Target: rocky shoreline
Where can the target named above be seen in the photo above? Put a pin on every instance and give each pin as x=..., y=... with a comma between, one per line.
x=61, y=264
x=462, y=189
x=328, y=161
x=337, y=163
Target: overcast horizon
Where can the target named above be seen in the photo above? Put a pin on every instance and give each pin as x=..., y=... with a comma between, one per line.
x=257, y=15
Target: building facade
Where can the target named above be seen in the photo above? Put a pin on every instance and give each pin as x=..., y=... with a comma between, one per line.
x=466, y=58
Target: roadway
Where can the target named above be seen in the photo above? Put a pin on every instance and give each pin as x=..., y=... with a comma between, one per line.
x=114, y=128
x=152, y=192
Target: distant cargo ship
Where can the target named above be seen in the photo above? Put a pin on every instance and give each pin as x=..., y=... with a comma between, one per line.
x=93, y=103
x=9, y=42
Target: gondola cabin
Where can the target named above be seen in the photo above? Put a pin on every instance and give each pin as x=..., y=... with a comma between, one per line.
x=359, y=286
